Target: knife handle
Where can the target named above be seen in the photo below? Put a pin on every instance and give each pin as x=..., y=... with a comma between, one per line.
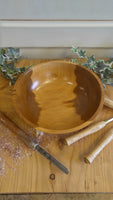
x=108, y=102
x=106, y=139
x=87, y=131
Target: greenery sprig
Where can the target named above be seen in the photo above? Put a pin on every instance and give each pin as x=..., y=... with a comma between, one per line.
x=102, y=68
x=8, y=58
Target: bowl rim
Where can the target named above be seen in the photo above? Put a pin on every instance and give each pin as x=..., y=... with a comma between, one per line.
x=64, y=131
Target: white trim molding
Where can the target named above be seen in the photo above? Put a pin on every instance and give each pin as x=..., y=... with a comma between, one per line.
x=56, y=33
x=63, y=53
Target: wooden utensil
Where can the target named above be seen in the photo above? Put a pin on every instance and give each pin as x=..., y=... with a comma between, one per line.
x=87, y=131
x=108, y=102
x=106, y=139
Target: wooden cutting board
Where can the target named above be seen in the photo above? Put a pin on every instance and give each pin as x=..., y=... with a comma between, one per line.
x=26, y=171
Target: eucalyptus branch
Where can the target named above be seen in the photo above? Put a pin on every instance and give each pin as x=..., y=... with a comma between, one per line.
x=8, y=58
x=102, y=68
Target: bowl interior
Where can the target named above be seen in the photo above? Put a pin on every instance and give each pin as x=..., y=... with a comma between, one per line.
x=58, y=97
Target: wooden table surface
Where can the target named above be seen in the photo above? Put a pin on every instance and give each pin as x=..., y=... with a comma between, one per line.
x=31, y=173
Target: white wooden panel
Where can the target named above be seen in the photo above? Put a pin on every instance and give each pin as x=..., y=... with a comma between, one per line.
x=56, y=9
x=56, y=34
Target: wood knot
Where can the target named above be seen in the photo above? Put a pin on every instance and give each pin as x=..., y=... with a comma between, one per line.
x=52, y=176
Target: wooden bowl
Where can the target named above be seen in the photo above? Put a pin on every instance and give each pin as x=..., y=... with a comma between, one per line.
x=58, y=97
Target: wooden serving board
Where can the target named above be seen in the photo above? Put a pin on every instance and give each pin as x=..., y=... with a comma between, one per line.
x=30, y=172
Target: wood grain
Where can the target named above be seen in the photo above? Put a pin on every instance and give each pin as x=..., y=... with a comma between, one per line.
x=71, y=196
x=106, y=139
x=32, y=174
x=93, y=128
x=56, y=97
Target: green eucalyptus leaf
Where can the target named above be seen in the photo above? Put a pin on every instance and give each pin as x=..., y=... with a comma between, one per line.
x=108, y=81
x=104, y=69
x=8, y=57
x=74, y=50
x=91, y=58
x=29, y=67
x=74, y=61
x=1, y=59
x=82, y=54
x=13, y=53
x=2, y=51
x=86, y=65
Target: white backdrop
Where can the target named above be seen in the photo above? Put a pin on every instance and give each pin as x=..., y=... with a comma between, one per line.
x=56, y=23
x=57, y=9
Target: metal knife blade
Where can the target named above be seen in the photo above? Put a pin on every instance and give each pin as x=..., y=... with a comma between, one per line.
x=51, y=158
x=32, y=143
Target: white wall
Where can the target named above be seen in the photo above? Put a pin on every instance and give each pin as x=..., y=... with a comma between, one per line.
x=57, y=9
x=56, y=23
